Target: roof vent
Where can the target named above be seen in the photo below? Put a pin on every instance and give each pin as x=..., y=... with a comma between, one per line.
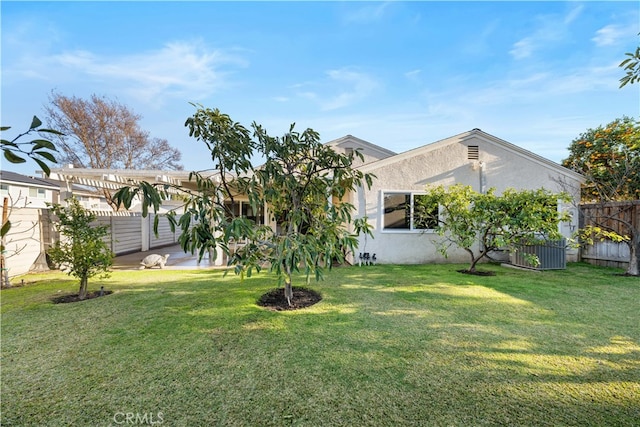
x=473, y=152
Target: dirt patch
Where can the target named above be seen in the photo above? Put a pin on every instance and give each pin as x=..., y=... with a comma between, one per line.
x=477, y=272
x=302, y=297
x=63, y=299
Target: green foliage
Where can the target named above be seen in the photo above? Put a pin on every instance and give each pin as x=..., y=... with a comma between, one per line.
x=592, y=233
x=632, y=67
x=480, y=223
x=81, y=249
x=609, y=157
x=39, y=149
x=304, y=184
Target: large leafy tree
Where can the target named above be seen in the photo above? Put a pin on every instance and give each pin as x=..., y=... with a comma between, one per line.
x=483, y=222
x=303, y=183
x=81, y=250
x=100, y=133
x=609, y=157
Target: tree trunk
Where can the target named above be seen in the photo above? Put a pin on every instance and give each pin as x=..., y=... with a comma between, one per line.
x=634, y=254
x=288, y=292
x=82, y=293
x=474, y=260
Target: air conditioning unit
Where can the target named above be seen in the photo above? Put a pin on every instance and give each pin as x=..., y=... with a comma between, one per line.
x=552, y=255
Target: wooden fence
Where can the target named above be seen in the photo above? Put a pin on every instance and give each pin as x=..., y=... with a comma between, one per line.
x=614, y=216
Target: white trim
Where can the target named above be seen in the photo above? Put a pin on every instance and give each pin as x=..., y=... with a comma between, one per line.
x=411, y=229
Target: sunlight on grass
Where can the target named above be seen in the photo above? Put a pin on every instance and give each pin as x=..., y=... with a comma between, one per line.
x=386, y=346
x=618, y=345
x=404, y=312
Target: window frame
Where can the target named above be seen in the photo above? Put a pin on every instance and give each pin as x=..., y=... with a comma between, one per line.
x=38, y=193
x=411, y=229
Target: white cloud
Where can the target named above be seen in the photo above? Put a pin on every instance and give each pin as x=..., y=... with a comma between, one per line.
x=188, y=70
x=342, y=88
x=550, y=30
x=523, y=48
x=413, y=75
x=365, y=14
x=609, y=35
x=355, y=86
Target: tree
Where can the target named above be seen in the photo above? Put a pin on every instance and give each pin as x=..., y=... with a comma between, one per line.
x=103, y=134
x=303, y=183
x=480, y=223
x=81, y=250
x=609, y=158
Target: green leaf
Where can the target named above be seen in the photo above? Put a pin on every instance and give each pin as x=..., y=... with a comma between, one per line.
x=43, y=166
x=53, y=131
x=46, y=155
x=35, y=123
x=3, y=128
x=9, y=143
x=43, y=143
x=5, y=228
x=12, y=157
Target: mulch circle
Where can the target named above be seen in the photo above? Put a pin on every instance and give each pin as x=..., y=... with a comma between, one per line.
x=63, y=299
x=302, y=297
x=477, y=272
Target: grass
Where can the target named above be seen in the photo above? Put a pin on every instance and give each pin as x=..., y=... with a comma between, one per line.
x=387, y=345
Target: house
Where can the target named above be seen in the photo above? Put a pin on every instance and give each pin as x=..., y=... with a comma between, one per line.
x=25, y=199
x=472, y=158
x=26, y=191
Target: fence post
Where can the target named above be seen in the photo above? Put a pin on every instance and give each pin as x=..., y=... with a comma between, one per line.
x=145, y=232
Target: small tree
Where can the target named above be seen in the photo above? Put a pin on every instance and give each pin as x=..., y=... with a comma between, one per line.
x=82, y=249
x=303, y=183
x=480, y=223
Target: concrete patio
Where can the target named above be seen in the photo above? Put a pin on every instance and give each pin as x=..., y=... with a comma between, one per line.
x=178, y=260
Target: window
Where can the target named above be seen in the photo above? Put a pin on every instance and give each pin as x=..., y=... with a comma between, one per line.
x=408, y=211
x=4, y=189
x=38, y=193
x=425, y=213
x=244, y=208
x=397, y=211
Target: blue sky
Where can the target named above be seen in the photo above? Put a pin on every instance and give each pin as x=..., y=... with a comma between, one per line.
x=397, y=74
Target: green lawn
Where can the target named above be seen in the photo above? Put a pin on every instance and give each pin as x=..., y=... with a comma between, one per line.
x=387, y=346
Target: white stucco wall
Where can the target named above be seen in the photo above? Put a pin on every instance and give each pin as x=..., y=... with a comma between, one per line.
x=500, y=165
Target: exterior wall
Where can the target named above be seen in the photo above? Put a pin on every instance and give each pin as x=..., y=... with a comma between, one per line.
x=23, y=242
x=19, y=196
x=447, y=163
